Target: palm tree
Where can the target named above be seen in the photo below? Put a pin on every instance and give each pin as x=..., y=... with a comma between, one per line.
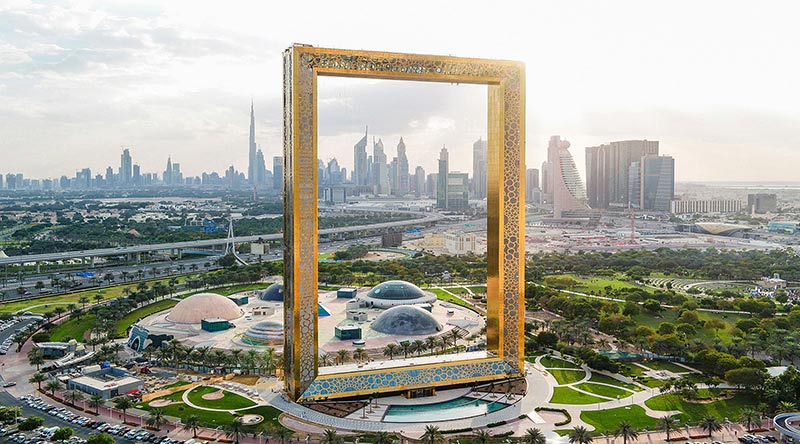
x=123, y=403
x=38, y=378
x=430, y=343
x=282, y=433
x=35, y=357
x=406, y=348
x=481, y=437
x=383, y=438
x=83, y=301
x=750, y=416
x=419, y=346
x=432, y=435
x=710, y=424
x=343, y=356
x=391, y=350
x=360, y=354
x=626, y=431
x=235, y=429
x=52, y=386
x=324, y=360
x=156, y=419
x=192, y=423
x=95, y=401
x=786, y=407
x=330, y=437
x=579, y=435
x=668, y=424
x=534, y=436
x=74, y=396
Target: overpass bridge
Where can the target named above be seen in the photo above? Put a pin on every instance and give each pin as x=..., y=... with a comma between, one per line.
x=135, y=251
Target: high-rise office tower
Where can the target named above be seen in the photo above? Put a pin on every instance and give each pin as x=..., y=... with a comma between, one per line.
x=432, y=185
x=380, y=169
x=401, y=170
x=760, y=203
x=260, y=169
x=1, y=181
x=569, y=195
x=657, y=182
x=253, y=156
x=480, y=168
x=635, y=184
x=109, y=177
x=441, y=180
x=277, y=174
x=137, y=175
x=177, y=176
x=532, y=192
x=547, y=183
x=419, y=182
x=125, y=168
x=607, y=170
x=457, y=191
x=360, y=163
x=334, y=173
x=167, y=179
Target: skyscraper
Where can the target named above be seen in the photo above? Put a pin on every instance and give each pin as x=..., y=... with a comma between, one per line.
x=547, y=183
x=419, y=182
x=137, y=175
x=532, y=192
x=251, y=166
x=360, y=164
x=260, y=169
x=168, y=172
x=125, y=168
x=480, y=167
x=401, y=170
x=277, y=174
x=441, y=180
x=380, y=169
x=607, y=170
x=658, y=182
x=569, y=195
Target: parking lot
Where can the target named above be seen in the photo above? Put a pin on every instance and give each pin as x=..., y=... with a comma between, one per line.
x=55, y=415
x=10, y=328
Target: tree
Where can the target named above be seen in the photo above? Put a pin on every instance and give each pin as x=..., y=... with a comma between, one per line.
x=74, y=396
x=192, y=423
x=157, y=419
x=330, y=437
x=715, y=324
x=710, y=424
x=383, y=438
x=52, y=386
x=95, y=401
x=746, y=377
x=30, y=423
x=391, y=350
x=100, y=439
x=432, y=435
x=123, y=403
x=546, y=339
x=579, y=435
x=63, y=434
x=481, y=437
x=282, y=433
x=626, y=431
x=668, y=424
x=534, y=436
x=786, y=407
x=35, y=357
x=38, y=378
x=343, y=356
x=750, y=416
x=9, y=413
x=235, y=429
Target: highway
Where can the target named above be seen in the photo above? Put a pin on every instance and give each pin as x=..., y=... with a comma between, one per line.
x=426, y=218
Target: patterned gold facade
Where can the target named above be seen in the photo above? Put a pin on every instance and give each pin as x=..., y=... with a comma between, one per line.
x=505, y=204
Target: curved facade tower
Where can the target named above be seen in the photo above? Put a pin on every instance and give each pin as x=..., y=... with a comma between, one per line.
x=569, y=194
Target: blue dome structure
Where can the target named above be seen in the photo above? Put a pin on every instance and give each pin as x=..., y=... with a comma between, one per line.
x=272, y=293
x=392, y=293
x=406, y=320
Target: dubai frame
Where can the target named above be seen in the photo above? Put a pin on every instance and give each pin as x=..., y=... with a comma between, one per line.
x=505, y=225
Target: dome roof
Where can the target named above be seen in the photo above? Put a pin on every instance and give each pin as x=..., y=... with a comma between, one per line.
x=406, y=320
x=201, y=306
x=266, y=332
x=272, y=293
x=396, y=291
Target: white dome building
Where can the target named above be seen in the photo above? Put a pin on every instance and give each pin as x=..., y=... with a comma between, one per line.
x=393, y=293
x=201, y=306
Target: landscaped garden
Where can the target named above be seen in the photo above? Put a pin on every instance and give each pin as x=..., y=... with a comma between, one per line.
x=215, y=398
x=729, y=407
x=604, y=390
x=608, y=420
x=567, y=376
x=551, y=362
x=565, y=395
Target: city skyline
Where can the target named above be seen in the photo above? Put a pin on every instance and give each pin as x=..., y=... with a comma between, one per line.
x=91, y=78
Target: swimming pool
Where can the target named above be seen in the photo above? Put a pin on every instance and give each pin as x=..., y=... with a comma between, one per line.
x=446, y=410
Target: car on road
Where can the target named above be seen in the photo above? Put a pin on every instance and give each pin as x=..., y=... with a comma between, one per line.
x=10, y=384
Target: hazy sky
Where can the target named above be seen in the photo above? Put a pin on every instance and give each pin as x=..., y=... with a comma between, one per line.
x=715, y=82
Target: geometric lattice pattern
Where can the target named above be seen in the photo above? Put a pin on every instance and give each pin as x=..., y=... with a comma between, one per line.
x=505, y=81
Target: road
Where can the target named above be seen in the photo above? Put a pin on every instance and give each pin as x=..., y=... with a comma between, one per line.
x=51, y=421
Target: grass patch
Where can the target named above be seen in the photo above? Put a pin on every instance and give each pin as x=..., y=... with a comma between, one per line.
x=215, y=419
x=72, y=328
x=565, y=395
x=129, y=319
x=604, y=390
x=447, y=297
x=478, y=289
x=665, y=365
x=596, y=377
x=458, y=290
x=608, y=420
x=233, y=289
x=690, y=411
x=230, y=401
x=551, y=362
x=567, y=376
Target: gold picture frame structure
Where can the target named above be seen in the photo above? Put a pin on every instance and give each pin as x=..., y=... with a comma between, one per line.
x=505, y=221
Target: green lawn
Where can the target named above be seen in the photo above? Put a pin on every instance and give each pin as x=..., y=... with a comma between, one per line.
x=326, y=256
x=230, y=400
x=691, y=411
x=551, y=362
x=596, y=377
x=603, y=390
x=567, y=376
x=608, y=420
x=72, y=328
x=215, y=419
x=598, y=284
x=233, y=289
x=129, y=319
x=565, y=395
x=478, y=289
x=665, y=365
x=444, y=296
